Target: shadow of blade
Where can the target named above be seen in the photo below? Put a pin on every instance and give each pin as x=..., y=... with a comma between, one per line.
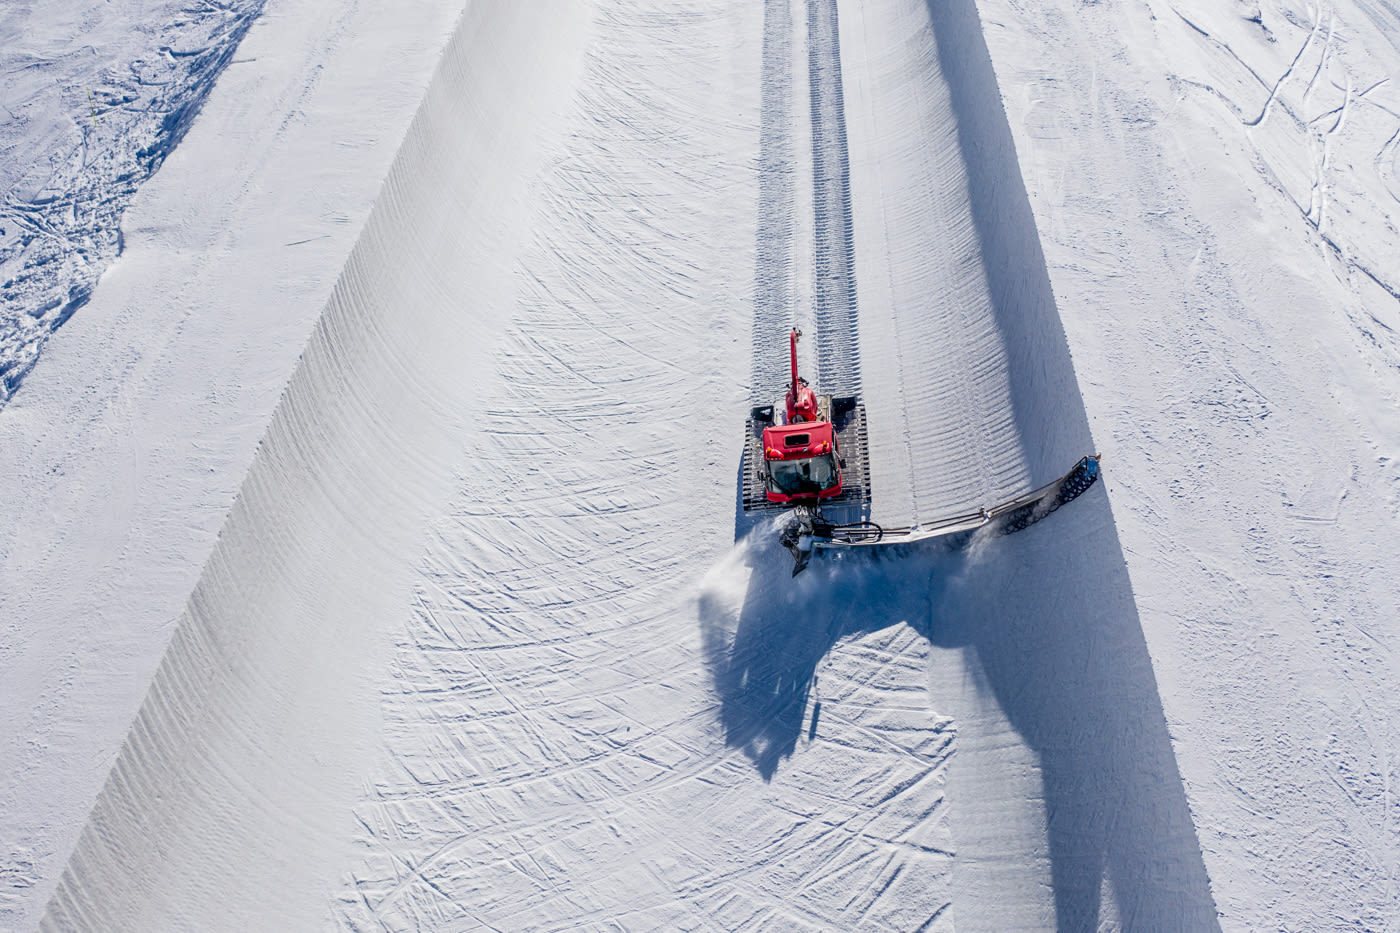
x=1049, y=614
x=765, y=632
x=1049, y=618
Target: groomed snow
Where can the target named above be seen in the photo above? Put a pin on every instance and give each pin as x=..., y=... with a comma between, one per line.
x=124, y=451
x=484, y=641
x=1215, y=189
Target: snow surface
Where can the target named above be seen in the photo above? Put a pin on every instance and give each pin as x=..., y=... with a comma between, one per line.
x=1216, y=196
x=95, y=96
x=485, y=640
x=126, y=450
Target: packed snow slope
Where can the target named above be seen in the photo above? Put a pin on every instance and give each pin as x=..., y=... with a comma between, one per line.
x=486, y=643
x=1216, y=189
x=515, y=432
x=122, y=457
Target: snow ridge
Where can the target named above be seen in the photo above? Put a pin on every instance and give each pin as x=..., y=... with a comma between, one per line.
x=471, y=485
x=1039, y=657
x=1250, y=449
x=228, y=805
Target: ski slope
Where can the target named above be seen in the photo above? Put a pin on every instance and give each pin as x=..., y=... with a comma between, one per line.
x=1217, y=204
x=484, y=640
x=95, y=97
x=123, y=458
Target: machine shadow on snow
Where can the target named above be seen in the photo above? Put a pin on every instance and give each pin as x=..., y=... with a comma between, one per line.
x=1049, y=614
x=763, y=657
x=1043, y=622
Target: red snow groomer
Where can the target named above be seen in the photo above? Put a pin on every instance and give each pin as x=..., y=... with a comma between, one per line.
x=806, y=453
x=802, y=456
x=812, y=454
x=808, y=450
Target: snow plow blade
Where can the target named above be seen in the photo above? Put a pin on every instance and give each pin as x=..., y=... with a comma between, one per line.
x=808, y=532
x=1006, y=518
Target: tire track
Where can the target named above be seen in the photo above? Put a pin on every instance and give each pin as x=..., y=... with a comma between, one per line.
x=775, y=298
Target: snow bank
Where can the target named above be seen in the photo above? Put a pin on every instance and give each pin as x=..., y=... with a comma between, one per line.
x=228, y=804
x=477, y=645
x=124, y=453
x=1214, y=187
x=598, y=714
x=1065, y=782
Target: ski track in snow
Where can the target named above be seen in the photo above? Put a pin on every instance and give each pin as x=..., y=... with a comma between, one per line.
x=552, y=724
x=245, y=749
x=580, y=725
x=1254, y=439
x=126, y=450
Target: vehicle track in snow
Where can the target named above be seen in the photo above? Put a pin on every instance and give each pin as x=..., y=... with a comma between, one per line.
x=774, y=297
x=838, y=332
x=928, y=270
x=554, y=747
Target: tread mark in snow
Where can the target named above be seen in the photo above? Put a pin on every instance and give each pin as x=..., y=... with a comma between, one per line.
x=838, y=346
x=773, y=293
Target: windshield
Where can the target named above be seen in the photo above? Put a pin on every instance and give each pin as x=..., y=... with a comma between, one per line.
x=795, y=477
